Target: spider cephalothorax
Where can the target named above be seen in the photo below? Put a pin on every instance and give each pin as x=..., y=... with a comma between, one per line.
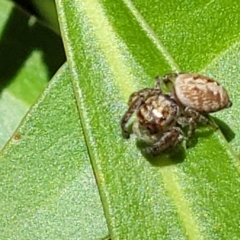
x=157, y=115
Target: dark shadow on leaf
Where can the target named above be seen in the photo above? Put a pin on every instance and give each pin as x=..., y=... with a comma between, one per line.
x=168, y=157
x=201, y=132
x=225, y=129
x=19, y=39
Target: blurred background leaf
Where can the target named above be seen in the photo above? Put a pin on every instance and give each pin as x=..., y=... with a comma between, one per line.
x=30, y=54
x=47, y=186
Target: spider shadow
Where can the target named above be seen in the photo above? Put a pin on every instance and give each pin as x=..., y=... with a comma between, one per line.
x=225, y=129
x=171, y=156
x=204, y=131
x=201, y=132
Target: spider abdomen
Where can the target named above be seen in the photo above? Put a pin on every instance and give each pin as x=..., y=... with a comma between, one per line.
x=201, y=93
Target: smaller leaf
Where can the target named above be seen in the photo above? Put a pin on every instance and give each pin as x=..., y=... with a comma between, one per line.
x=48, y=190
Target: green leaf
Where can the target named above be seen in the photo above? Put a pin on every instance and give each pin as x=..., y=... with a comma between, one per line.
x=115, y=49
x=201, y=40
x=226, y=68
x=30, y=54
x=48, y=190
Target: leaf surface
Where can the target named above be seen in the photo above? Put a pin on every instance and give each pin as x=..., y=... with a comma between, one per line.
x=112, y=51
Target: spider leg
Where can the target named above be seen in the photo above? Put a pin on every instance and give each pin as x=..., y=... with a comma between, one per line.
x=179, y=139
x=147, y=92
x=157, y=82
x=169, y=76
x=191, y=118
x=144, y=93
x=168, y=79
x=135, y=105
x=206, y=121
x=169, y=139
x=191, y=130
x=135, y=95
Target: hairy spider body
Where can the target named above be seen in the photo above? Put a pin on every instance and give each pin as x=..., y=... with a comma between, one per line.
x=197, y=95
x=157, y=115
x=198, y=92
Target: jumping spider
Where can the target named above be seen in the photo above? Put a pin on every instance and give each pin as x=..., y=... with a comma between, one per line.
x=157, y=115
x=197, y=95
x=161, y=116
